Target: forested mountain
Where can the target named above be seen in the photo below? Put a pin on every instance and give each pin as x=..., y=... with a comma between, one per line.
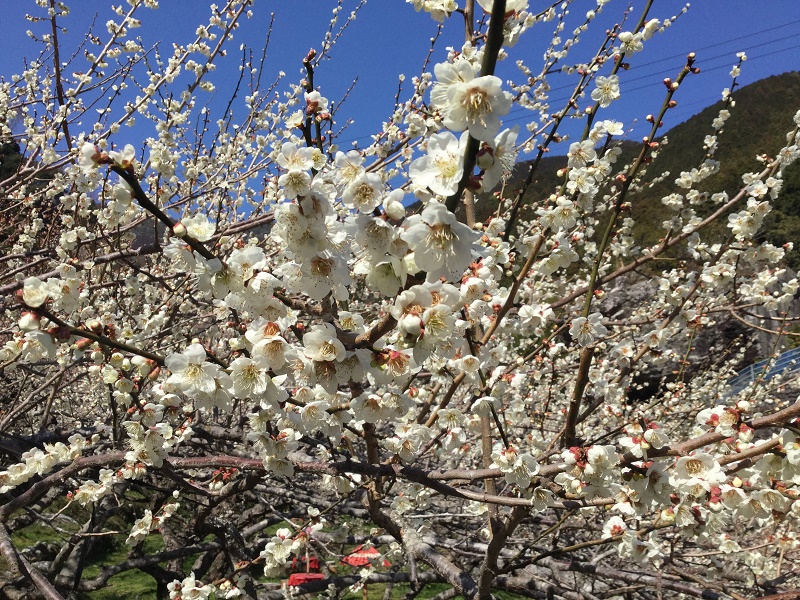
x=16, y=214
x=750, y=130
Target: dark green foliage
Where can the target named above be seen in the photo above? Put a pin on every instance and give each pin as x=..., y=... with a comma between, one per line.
x=16, y=213
x=10, y=159
x=758, y=124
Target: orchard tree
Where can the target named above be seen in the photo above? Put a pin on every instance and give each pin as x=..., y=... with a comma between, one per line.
x=234, y=346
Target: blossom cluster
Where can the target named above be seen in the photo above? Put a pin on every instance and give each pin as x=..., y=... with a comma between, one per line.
x=306, y=325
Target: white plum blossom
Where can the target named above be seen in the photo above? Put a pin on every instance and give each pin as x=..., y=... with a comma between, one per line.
x=321, y=344
x=541, y=497
x=343, y=320
x=449, y=75
x=393, y=205
x=511, y=5
x=409, y=308
x=503, y=154
x=650, y=27
x=587, y=330
x=147, y=445
x=365, y=193
x=181, y=255
x=564, y=215
x=375, y=235
x=295, y=183
x=610, y=127
x=518, y=469
x=265, y=336
x=696, y=474
x=477, y=105
x=37, y=345
x=723, y=419
x=369, y=408
x=561, y=257
x=293, y=157
x=315, y=103
x=249, y=376
x=90, y=156
x=189, y=588
x=438, y=9
x=630, y=42
x=535, y=316
x=484, y=405
x=34, y=292
x=442, y=168
x=386, y=277
x=581, y=153
x=141, y=528
x=191, y=373
x=349, y=167
x=125, y=158
x=607, y=90
x=443, y=246
x=614, y=527
x=198, y=227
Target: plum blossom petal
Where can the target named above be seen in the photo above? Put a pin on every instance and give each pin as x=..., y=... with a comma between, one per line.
x=442, y=245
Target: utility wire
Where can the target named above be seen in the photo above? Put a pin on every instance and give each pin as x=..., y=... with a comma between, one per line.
x=656, y=83
x=525, y=113
x=716, y=45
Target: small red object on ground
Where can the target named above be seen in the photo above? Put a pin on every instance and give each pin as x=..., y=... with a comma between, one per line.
x=313, y=564
x=361, y=557
x=296, y=579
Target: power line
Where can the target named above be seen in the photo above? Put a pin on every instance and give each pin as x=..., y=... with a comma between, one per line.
x=518, y=111
x=653, y=83
x=649, y=75
x=701, y=60
x=716, y=45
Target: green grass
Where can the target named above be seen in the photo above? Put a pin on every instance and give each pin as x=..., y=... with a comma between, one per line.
x=130, y=584
x=39, y=532
x=135, y=584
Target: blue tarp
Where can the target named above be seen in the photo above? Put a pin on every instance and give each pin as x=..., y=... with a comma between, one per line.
x=788, y=362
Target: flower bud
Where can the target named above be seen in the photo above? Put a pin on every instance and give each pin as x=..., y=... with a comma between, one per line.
x=746, y=433
x=470, y=364
x=29, y=321
x=394, y=210
x=179, y=230
x=83, y=343
x=485, y=158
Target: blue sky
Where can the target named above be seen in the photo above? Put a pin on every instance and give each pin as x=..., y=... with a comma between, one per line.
x=389, y=37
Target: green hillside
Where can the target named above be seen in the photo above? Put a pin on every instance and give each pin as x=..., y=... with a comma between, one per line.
x=758, y=124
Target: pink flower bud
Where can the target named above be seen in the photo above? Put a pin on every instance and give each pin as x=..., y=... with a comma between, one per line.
x=179, y=230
